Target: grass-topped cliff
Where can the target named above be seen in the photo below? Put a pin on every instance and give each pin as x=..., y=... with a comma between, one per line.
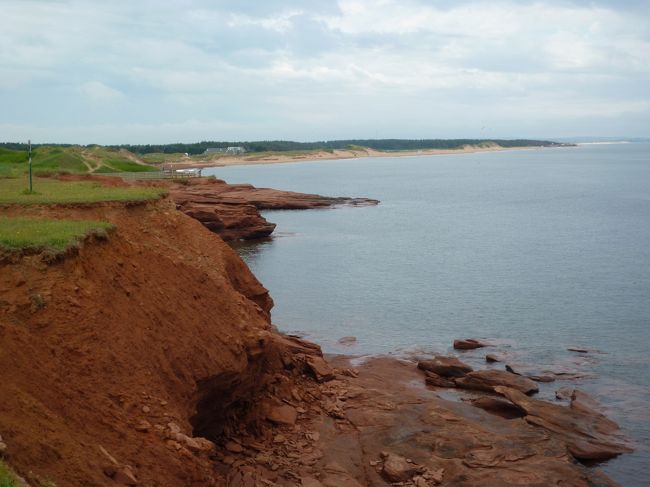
x=54, y=160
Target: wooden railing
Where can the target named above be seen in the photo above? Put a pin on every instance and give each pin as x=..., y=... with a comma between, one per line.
x=164, y=174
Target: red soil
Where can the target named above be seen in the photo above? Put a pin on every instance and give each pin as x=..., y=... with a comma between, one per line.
x=116, y=363
x=133, y=323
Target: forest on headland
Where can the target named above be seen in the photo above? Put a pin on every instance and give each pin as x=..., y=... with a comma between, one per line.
x=287, y=145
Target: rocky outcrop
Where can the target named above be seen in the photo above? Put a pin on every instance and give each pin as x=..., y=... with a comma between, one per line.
x=232, y=210
x=468, y=344
x=231, y=222
x=589, y=434
x=488, y=380
x=491, y=358
x=545, y=374
x=445, y=366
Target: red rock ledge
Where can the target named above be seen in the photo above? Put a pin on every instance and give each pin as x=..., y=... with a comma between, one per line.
x=233, y=210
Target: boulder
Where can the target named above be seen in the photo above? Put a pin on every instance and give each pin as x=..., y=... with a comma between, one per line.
x=397, y=469
x=487, y=380
x=143, y=426
x=347, y=341
x=491, y=358
x=319, y=368
x=445, y=366
x=564, y=393
x=467, y=344
x=285, y=415
x=589, y=435
x=531, y=373
x=234, y=447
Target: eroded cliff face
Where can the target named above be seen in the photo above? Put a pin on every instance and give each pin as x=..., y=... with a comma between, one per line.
x=128, y=333
x=149, y=359
x=233, y=210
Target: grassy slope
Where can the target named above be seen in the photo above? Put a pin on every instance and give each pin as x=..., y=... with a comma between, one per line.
x=7, y=479
x=48, y=191
x=69, y=160
x=18, y=233
x=161, y=157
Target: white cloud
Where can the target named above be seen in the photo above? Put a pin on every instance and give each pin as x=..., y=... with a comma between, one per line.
x=97, y=91
x=199, y=60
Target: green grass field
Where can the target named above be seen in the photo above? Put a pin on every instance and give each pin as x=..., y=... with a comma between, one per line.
x=20, y=233
x=53, y=160
x=160, y=157
x=50, y=191
x=48, y=161
x=123, y=165
x=7, y=479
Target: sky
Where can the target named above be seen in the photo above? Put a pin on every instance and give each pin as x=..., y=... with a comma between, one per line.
x=150, y=71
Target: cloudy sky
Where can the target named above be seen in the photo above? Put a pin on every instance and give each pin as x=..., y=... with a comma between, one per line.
x=151, y=71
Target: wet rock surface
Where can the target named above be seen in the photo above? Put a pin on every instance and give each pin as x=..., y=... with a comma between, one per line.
x=445, y=366
x=488, y=380
x=379, y=429
x=588, y=434
x=468, y=344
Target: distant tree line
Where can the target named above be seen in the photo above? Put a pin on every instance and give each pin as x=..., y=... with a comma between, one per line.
x=287, y=145
x=24, y=146
x=378, y=144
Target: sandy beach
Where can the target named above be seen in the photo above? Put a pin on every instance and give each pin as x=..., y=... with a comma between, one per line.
x=323, y=155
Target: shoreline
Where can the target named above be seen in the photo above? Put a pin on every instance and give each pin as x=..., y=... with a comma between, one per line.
x=334, y=155
x=262, y=407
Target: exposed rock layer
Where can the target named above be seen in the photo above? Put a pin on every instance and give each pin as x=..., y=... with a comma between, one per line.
x=142, y=327
x=149, y=359
x=232, y=210
x=588, y=434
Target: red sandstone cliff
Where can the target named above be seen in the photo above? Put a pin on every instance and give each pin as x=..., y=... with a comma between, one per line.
x=232, y=210
x=135, y=329
x=149, y=359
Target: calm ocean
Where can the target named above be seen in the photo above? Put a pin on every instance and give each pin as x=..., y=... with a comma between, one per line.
x=536, y=250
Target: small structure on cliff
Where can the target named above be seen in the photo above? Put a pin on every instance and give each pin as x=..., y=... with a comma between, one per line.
x=172, y=171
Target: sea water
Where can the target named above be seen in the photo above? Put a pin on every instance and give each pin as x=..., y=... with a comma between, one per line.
x=537, y=250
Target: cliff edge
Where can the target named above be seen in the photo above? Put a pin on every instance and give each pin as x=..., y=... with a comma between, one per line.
x=150, y=359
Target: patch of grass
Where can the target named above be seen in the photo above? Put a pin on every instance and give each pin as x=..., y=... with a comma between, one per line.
x=57, y=160
x=48, y=160
x=48, y=191
x=114, y=160
x=160, y=157
x=7, y=479
x=21, y=233
x=12, y=156
x=11, y=161
x=125, y=165
x=45, y=161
